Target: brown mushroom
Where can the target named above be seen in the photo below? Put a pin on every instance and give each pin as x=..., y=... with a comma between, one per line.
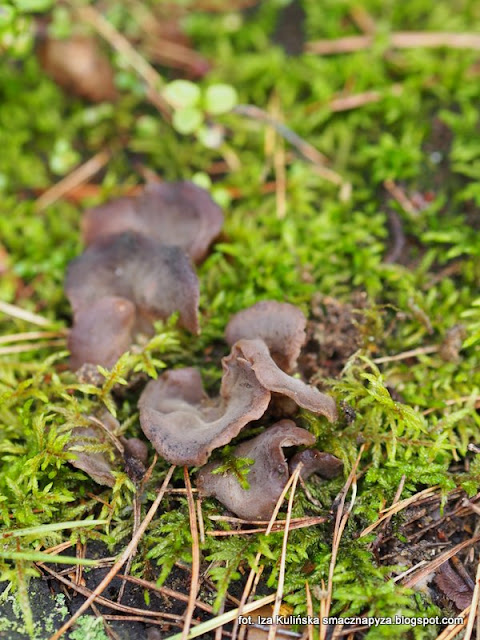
x=256, y=353
x=279, y=324
x=267, y=476
x=173, y=213
x=158, y=279
x=314, y=461
x=184, y=425
x=78, y=65
x=99, y=465
x=102, y=331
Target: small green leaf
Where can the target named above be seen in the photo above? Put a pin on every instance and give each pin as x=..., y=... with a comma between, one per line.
x=33, y=5
x=187, y=120
x=220, y=98
x=181, y=94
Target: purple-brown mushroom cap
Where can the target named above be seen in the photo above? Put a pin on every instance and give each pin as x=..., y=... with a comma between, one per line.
x=158, y=279
x=314, y=461
x=184, y=425
x=267, y=476
x=173, y=213
x=269, y=375
x=279, y=324
x=97, y=464
x=102, y=331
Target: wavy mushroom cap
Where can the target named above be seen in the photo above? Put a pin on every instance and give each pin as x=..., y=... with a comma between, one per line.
x=270, y=376
x=314, y=461
x=101, y=332
x=158, y=279
x=173, y=213
x=279, y=324
x=267, y=476
x=184, y=425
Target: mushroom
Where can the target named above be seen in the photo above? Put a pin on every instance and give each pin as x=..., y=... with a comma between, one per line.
x=279, y=324
x=314, y=461
x=267, y=476
x=100, y=465
x=173, y=213
x=101, y=332
x=185, y=425
x=157, y=279
x=270, y=376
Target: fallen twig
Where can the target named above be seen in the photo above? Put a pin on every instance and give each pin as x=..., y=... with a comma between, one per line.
x=397, y=40
x=78, y=176
x=120, y=562
x=195, y=557
x=22, y=314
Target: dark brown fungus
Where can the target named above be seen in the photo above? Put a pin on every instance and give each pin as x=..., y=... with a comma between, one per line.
x=97, y=464
x=79, y=67
x=184, y=425
x=256, y=353
x=173, y=213
x=158, y=279
x=314, y=461
x=279, y=324
x=267, y=475
x=102, y=331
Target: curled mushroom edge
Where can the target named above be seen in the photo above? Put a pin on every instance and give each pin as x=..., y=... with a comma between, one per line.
x=268, y=474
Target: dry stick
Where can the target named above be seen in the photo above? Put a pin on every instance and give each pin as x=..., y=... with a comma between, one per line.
x=34, y=346
x=340, y=522
x=398, y=40
x=473, y=606
x=438, y=561
x=32, y=335
x=396, y=498
x=355, y=100
x=307, y=150
x=225, y=618
x=281, y=574
x=408, y=354
x=277, y=527
x=452, y=401
x=16, y=312
x=78, y=176
x=123, y=46
x=165, y=591
x=309, y=610
x=195, y=556
x=399, y=506
x=268, y=530
x=454, y=629
x=104, y=602
x=121, y=561
x=400, y=196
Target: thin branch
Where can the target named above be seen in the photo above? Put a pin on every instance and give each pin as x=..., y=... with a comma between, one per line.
x=32, y=335
x=281, y=573
x=397, y=40
x=78, y=176
x=22, y=314
x=195, y=557
x=399, y=506
x=121, y=561
x=105, y=28
x=33, y=346
x=413, y=353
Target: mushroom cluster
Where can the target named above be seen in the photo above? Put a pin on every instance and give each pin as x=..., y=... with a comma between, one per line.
x=185, y=425
x=137, y=268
